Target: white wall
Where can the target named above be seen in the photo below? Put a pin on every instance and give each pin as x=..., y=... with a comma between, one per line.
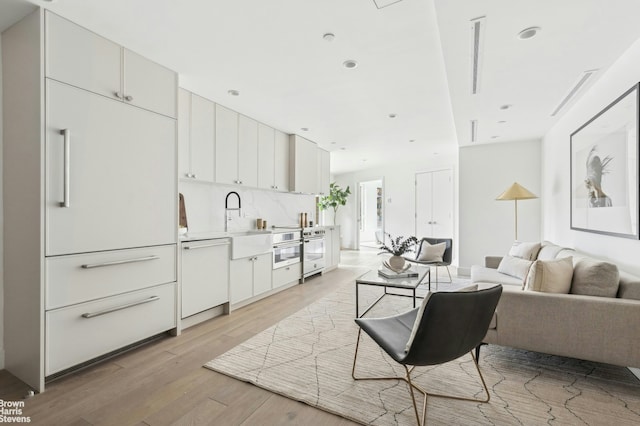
x=486, y=226
x=204, y=204
x=399, y=195
x=623, y=74
x=1, y=225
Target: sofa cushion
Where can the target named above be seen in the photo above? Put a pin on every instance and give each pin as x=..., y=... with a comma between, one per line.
x=629, y=286
x=550, y=276
x=514, y=266
x=431, y=252
x=524, y=250
x=480, y=274
x=548, y=251
x=592, y=277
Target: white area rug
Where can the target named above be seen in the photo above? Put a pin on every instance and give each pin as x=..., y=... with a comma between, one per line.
x=308, y=357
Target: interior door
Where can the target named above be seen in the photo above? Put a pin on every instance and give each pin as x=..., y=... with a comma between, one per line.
x=121, y=174
x=434, y=204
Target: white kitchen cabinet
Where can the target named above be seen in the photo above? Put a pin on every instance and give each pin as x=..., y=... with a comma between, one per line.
x=121, y=192
x=281, y=161
x=250, y=276
x=273, y=158
x=204, y=275
x=91, y=267
x=303, y=165
x=77, y=56
x=266, y=156
x=196, y=137
x=332, y=244
x=226, y=152
x=287, y=275
x=247, y=151
x=323, y=172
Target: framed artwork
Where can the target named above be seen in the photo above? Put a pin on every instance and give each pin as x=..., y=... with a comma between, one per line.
x=604, y=170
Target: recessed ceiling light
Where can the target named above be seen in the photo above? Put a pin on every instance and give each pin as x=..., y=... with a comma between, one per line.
x=364, y=160
x=328, y=36
x=501, y=121
x=412, y=140
x=304, y=129
x=233, y=92
x=436, y=153
x=528, y=33
x=333, y=143
x=495, y=137
x=505, y=106
x=392, y=115
x=343, y=149
x=350, y=64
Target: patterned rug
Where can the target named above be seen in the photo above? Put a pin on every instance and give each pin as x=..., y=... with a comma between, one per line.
x=308, y=357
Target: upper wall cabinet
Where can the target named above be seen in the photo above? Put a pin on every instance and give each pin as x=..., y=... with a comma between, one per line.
x=236, y=148
x=273, y=158
x=323, y=172
x=304, y=165
x=77, y=56
x=196, y=137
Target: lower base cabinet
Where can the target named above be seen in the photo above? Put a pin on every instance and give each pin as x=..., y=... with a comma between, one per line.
x=204, y=275
x=250, y=276
x=79, y=333
x=287, y=275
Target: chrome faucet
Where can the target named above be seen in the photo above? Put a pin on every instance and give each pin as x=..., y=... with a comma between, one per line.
x=228, y=209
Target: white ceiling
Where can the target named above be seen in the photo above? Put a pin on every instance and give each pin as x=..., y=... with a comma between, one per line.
x=413, y=60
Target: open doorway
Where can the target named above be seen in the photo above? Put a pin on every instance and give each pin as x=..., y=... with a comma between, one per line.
x=371, y=214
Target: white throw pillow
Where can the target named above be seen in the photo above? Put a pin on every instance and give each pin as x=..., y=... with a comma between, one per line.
x=431, y=253
x=524, y=250
x=550, y=276
x=514, y=266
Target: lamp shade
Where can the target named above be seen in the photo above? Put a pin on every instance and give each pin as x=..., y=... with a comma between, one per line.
x=516, y=192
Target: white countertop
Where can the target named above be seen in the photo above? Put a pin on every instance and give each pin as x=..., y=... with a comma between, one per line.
x=212, y=235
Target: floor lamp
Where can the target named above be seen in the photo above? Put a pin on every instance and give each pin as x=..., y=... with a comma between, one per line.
x=516, y=192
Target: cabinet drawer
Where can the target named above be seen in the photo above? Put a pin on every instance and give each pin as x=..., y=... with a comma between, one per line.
x=282, y=276
x=80, y=278
x=79, y=333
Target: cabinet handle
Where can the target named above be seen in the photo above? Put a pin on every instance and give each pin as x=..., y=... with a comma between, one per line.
x=128, y=98
x=204, y=246
x=119, y=262
x=119, y=308
x=119, y=95
x=66, y=133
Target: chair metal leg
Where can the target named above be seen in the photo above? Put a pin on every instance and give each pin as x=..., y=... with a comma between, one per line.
x=412, y=386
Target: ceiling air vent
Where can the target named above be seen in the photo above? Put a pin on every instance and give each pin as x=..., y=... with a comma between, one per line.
x=582, y=80
x=477, y=42
x=474, y=130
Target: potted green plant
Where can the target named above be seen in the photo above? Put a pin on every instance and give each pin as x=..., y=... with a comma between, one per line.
x=397, y=247
x=337, y=197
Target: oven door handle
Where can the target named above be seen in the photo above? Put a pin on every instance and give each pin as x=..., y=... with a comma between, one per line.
x=279, y=246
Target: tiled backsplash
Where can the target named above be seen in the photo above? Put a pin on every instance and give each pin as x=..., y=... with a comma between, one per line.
x=204, y=204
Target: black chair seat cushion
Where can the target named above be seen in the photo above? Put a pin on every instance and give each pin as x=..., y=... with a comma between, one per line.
x=391, y=333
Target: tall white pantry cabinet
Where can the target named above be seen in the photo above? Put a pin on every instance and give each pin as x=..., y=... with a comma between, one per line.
x=90, y=224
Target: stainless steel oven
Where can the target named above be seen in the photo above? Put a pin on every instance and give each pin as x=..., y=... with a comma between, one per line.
x=287, y=248
x=313, y=251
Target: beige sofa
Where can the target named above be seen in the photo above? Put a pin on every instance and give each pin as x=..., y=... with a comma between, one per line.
x=601, y=329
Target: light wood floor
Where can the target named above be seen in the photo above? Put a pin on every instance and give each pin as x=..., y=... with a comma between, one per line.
x=163, y=382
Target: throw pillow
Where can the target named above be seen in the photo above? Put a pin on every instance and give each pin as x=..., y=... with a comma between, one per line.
x=514, y=266
x=431, y=253
x=523, y=250
x=550, y=276
x=595, y=278
x=549, y=251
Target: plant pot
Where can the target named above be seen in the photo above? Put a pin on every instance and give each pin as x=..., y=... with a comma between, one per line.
x=396, y=262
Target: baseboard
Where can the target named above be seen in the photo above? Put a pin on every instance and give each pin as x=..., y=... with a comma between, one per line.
x=204, y=316
x=1, y=358
x=635, y=371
